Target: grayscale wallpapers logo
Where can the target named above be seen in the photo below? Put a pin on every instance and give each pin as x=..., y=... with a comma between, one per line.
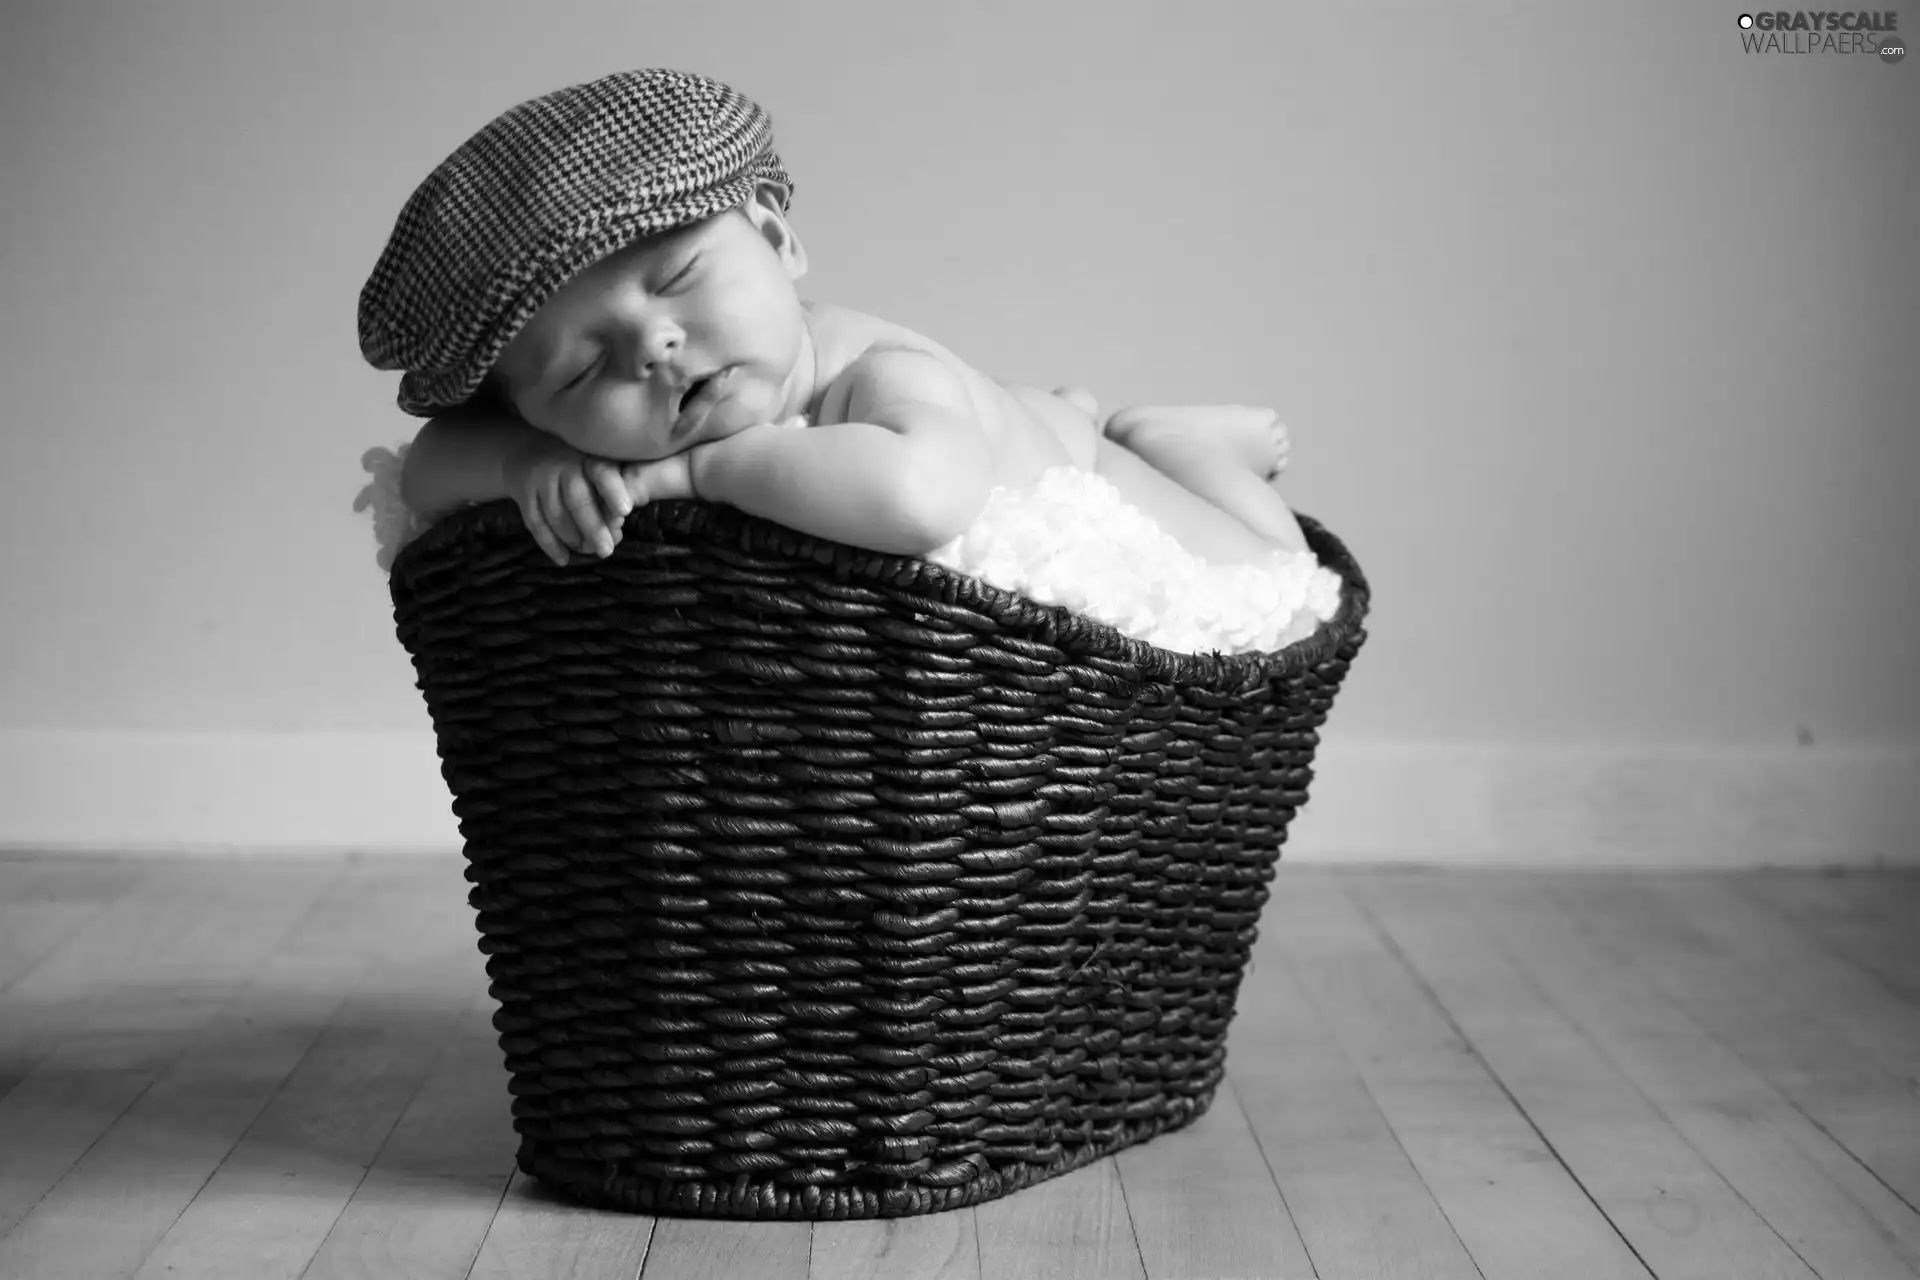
x=1843, y=33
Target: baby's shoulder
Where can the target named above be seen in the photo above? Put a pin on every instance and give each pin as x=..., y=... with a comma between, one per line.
x=856, y=352
x=864, y=360
x=843, y=336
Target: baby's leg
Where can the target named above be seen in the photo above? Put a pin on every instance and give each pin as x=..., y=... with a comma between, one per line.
x=1209, y=532
x=1256, y=437
x=1200, y=444
x=1227, y=454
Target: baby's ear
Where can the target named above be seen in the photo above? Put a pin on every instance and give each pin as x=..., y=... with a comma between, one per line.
x=773, y=194
x=764, y=211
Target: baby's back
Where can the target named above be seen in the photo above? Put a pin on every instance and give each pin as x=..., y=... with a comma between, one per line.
x=1028, y=428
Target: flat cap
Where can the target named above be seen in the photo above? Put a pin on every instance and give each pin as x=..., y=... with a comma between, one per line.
x=541, y=193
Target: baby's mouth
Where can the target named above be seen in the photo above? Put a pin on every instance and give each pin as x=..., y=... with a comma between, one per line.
x=701, y=396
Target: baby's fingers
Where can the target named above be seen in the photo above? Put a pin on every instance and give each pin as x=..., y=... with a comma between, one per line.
x=577, y=492
x=611, y=486
x=553, y=506
x=537, y=526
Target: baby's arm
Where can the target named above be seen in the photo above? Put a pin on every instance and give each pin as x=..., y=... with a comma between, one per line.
x=907, y=471
x=461, y=457
x=470, y=455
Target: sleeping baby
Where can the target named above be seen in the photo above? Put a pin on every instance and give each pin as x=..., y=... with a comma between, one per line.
x=594, y=300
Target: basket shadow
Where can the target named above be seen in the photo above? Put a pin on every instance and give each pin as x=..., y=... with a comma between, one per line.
x=409, y=1084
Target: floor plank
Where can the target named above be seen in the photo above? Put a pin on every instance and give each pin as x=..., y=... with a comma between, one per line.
x=97, y=1027
x=1834, y=1214
x=723, y=1248
x=1358, y=1203
x=1676, y=1211
x=424, y=1207
x=1834, y=1042
x=266, y=1210
x=1853, y=916
x=106, y=1214
x=1517, y=1209
x=46, y=902
x=928, y=1246
x=1204, y=1203
x=1073, y=1227
x=537, y=1237
x=53, y=996
x=46, y=905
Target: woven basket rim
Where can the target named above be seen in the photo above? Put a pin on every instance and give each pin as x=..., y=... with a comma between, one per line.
x=683, y=522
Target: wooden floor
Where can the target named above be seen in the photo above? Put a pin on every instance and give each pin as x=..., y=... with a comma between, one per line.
x=283, y=1068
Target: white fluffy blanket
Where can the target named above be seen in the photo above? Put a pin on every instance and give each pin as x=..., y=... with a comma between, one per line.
x=1071, y=541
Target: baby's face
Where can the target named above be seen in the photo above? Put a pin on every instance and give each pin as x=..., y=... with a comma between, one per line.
x=678, y=339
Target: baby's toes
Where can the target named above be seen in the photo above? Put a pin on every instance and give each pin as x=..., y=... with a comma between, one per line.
x=1281, y=442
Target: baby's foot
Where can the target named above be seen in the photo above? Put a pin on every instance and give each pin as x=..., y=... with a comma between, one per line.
x=1255, y=438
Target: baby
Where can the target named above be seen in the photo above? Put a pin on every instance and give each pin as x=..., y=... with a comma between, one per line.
x=631, y=345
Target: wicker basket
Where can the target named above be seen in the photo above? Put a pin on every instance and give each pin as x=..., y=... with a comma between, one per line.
x=820, y=883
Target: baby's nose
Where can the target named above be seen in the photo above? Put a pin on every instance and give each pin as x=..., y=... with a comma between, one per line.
x=662, y=351
x=659, y=343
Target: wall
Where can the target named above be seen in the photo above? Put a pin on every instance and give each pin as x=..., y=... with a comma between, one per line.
x=1596, y=333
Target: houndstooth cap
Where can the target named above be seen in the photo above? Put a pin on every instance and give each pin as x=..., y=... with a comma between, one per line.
x=540, y=194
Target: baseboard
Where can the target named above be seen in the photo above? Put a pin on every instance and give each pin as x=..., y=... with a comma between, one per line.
x=252, y=791
x=1613, y=805
x=1424, y=803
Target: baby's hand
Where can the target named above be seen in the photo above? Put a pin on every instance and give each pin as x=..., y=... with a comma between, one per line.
x=570, y=501
x=573, y=501
x=672, y=476
x=659, y=479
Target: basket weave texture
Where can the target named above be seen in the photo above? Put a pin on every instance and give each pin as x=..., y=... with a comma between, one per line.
x=819, y=883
